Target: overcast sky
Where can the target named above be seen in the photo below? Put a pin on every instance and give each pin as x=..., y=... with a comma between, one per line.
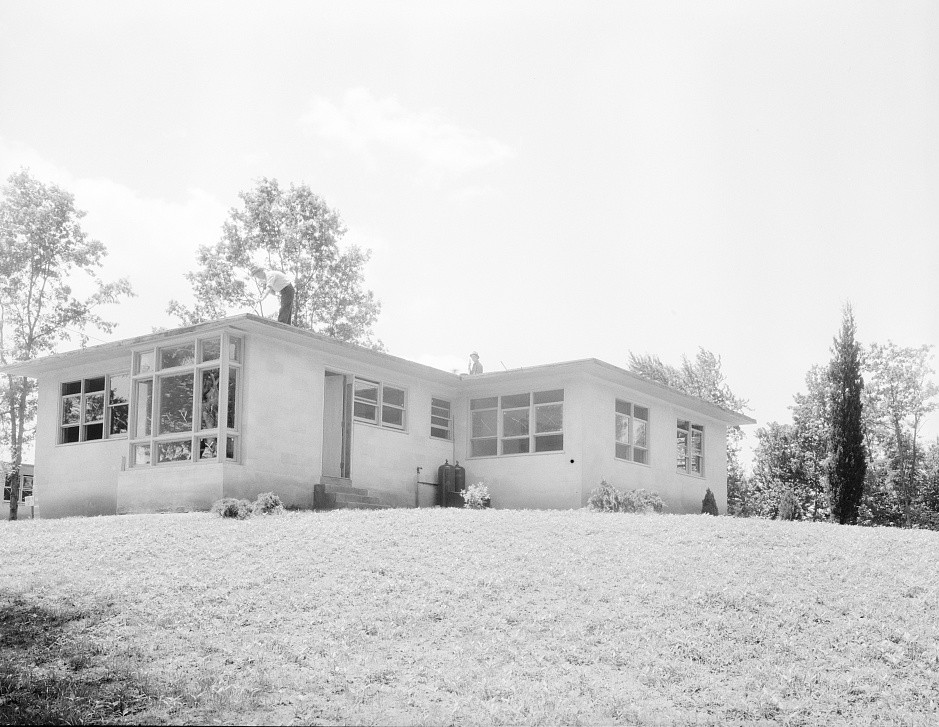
x=537, y=181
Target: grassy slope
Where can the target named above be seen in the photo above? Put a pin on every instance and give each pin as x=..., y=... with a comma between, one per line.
x=432, y=617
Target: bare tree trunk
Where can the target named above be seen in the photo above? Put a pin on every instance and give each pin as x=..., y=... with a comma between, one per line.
x=16, y=446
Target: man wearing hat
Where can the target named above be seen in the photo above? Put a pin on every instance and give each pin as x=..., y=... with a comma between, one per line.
x=474, y=366
x=274, y=281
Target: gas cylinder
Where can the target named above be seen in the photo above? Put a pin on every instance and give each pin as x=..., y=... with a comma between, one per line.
x=445, y=474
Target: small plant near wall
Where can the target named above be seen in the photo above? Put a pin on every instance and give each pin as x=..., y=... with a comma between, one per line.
x=607, y=498
x=267, y=503
x=476, y=497
x=709, y=504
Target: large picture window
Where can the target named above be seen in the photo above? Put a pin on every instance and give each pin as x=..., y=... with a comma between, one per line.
x=186, y=402
x=93, y=409
x=517, y=423
x=632, y=432
x=377, y=403
x=690, y=448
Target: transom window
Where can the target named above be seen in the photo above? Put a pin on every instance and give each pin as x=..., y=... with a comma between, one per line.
x=632, y=432
x=690, y=447
x=441, y=421
x=186, y=399
x=94, y=408
x=517, y=423
x=380, y=404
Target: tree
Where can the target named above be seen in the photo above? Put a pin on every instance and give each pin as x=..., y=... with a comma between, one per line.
x=703, y=377
x=294, y=231
x=41, y=245
x=898, y=395
x=847, y=465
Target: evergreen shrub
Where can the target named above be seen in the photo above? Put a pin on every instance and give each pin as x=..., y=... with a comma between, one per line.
x=232, y=507
x=607, y=498
x=789, y=507
x=267, y=504
x=709, y=504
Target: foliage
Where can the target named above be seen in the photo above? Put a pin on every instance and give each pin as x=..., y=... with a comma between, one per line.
x=789, y=506
x=607, y=498
x=847, y=465
x=786, y=459
x=232, y=507
x=476, y=497
x=267, y=503
x=709, y=504
x=294, y=231
x=42, y=245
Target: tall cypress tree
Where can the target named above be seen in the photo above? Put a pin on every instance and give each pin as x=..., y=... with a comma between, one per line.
x=848, y=461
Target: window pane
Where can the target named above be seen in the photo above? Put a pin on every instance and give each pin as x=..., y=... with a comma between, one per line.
x=95, y=384
x=180, y=451
x=93, y=432
x=484, y=447
x=489, y=403
x=622, y=428
x=622, y=451
x=176, y=403
x=94, y=408
x=392, y=416
x=484, y=423
x=230, y=448
x=208, y=447
x=393, y=396
x=440, y=433
x=641, y=412
x=118, y=423
x=70, y=434
x=177, y=356
x=72, y=387
x=234, y=350
x=71, y=411
x=209, y=403
x=622, y=407
x=144, y=408
x=640, y=455
x=367, y=390
x=682, y=450
x=545, y=397
x=141, y=454
x=696, y=465
x=144, y=363
x=441, y=406
x=440, y=421
x=120, y=389
x=696, y=442
x=364, y=410
x=515, y=422
x=233, y=419
x=515, y=446
x=683, y=424
x=640, y=433
x=516, y=400
x=549, y=418
x=210, y=349
x=549, y=443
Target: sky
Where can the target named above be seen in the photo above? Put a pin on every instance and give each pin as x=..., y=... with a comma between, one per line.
x=537, y=181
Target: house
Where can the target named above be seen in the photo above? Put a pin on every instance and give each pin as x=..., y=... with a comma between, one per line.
x=26, y=483
x=175, y=420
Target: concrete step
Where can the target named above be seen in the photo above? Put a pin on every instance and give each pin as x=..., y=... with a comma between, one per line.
x=346, y=498
x=362, y=506
x=345, y=489
x=329, y=480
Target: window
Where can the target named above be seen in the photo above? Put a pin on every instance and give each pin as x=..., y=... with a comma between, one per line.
x=632, y=432
x=186, y=401
x=517, y=424
x=690, y=447
x=441, y=422
x=94, y=408
x=26, y=487
x=371, y=399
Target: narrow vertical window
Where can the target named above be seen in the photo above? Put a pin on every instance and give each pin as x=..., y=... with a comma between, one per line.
x=631, y=432
x=484, y=415
x=690, y=452
x=441, y=421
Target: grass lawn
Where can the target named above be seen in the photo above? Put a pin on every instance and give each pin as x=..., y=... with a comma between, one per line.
x=467, y=617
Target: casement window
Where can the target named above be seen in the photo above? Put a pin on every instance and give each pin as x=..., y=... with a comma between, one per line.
x=380, y=404
x=186, y=399
x=517, y=423
x=26, y=487
x=94, y=408
x=632, y=432
x=690, y=447
x=441, y=420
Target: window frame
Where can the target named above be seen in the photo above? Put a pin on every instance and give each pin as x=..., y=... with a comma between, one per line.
x=689, y=468
x=531, y=438
x=631, y=418
x=24, y=490
x=435, y=403
x=107, y=407
x=380, y=404
x=147, y=369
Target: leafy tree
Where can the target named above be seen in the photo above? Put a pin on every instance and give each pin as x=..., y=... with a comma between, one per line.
x=898, y=395
x=292, y=230
x=41, y=245
x=703, y=377
x=847, y=465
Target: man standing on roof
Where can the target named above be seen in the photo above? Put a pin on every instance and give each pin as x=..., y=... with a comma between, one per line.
x=274, y=281
x=474, y=366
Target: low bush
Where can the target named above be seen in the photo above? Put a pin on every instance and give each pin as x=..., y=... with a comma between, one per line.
x=607, y=498
x=476, y=497
x=709, y=504
x=789, y=507
x=232, y=507
x=267, y=504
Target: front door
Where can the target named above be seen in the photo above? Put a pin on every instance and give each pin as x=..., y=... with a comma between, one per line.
x=337, y=425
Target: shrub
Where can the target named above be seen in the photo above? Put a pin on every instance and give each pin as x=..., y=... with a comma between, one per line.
x=267, y=504
x=476, y=497
x=607, y=498
x=789, y=507
x=709, y=504
x=232, y=507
